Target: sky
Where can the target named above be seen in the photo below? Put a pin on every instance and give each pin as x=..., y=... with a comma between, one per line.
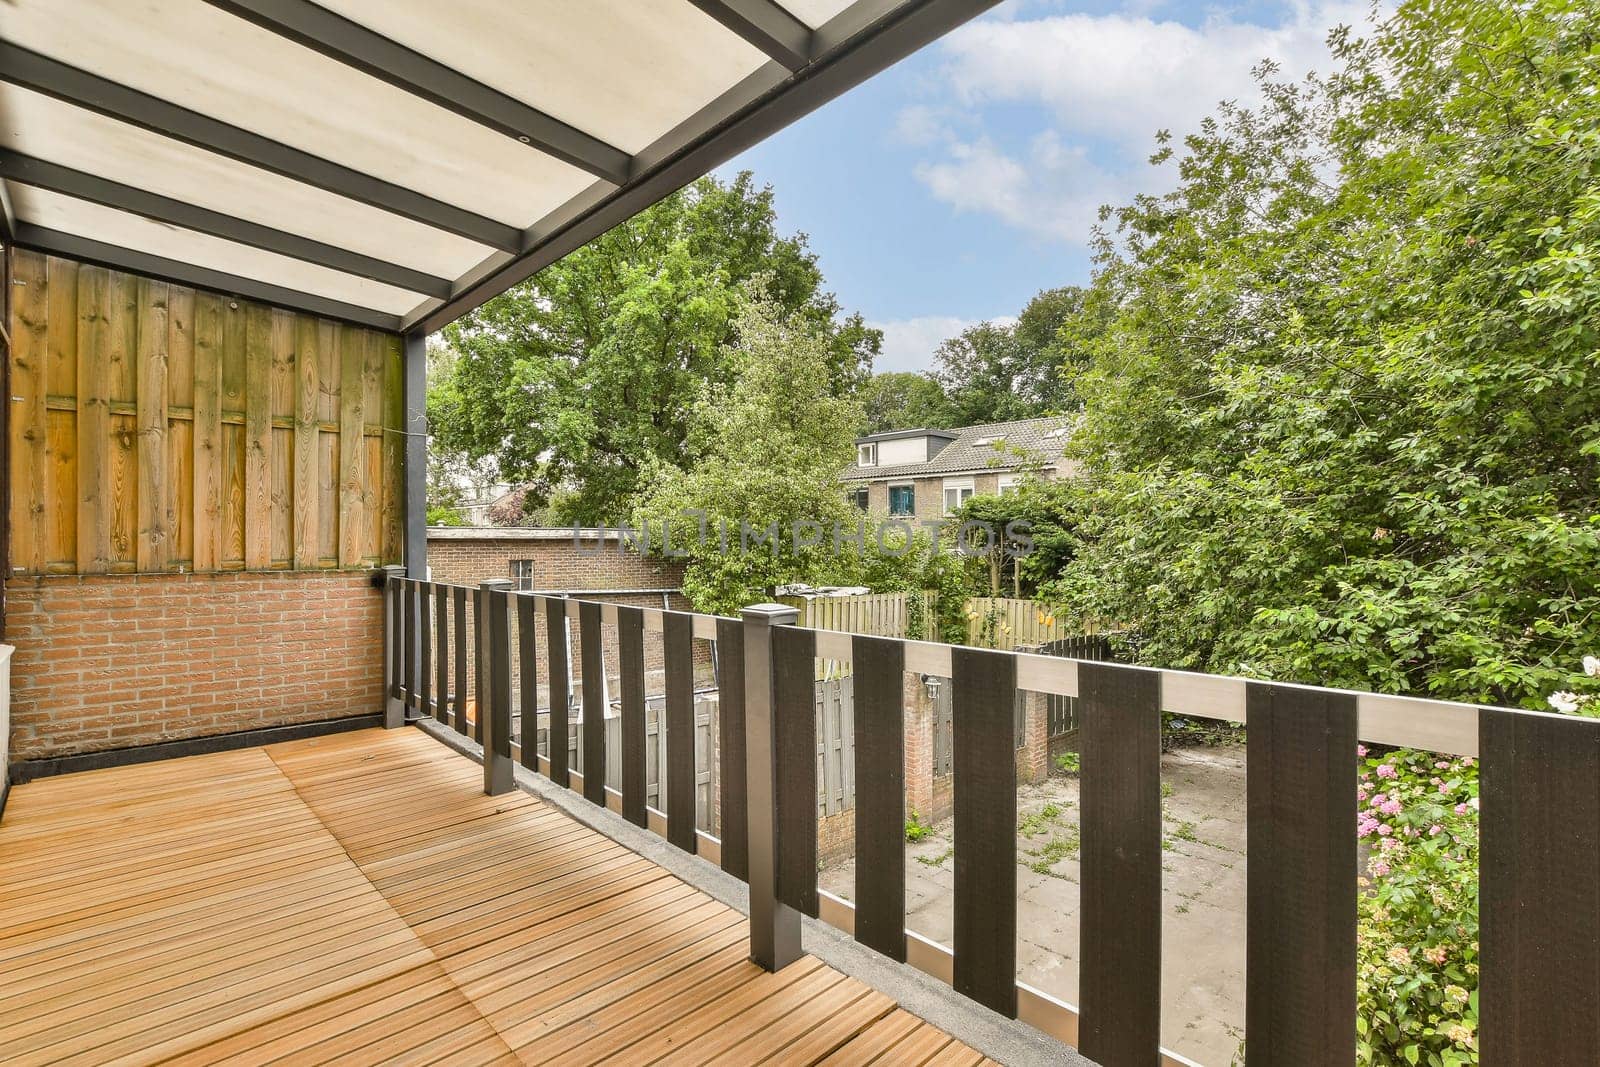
x=950, y=188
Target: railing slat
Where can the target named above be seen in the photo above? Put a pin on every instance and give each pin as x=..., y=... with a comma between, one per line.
x=495, y=719
x=556, y=649
x=1539, y=885
x=1300, y=985
x=678, y=643
x=480, y=662
x=1120, y=824
x=461, y=658
x=630, y=650
x=425, y=648
x=594, y=703
x=878, y=667
x=441, y=606
x=396, y=626
x=528, y=682
x=408, y=643
x=730, y=729
x=794, y=714
x=983, y=696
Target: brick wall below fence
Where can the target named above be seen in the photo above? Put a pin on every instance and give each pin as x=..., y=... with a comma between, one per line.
x=114, y=661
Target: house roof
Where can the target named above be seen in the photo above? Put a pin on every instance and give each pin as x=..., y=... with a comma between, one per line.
x=397, y=164
x=990, y=446
x=897, y=435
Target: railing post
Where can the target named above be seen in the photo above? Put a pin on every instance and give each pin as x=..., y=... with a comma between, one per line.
x=494, y=699
x=394, y=705
x=774, y=926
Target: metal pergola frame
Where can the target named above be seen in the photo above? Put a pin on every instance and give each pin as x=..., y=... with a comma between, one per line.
x=805, y=68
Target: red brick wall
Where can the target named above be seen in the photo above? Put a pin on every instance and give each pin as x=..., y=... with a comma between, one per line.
x=113, y=661
x=558, y=564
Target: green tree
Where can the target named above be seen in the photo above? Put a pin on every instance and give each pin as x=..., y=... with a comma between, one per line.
x=903, y=400
x=768, y=452
x=582, y=377
x=1343, y=416
x=998, y=372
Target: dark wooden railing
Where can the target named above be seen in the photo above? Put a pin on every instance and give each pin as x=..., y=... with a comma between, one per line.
x=1539, y=996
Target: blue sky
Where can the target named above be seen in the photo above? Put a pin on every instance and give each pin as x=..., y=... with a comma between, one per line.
x=952, y=187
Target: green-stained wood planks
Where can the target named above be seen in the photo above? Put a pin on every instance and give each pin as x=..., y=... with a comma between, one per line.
x=159, y=428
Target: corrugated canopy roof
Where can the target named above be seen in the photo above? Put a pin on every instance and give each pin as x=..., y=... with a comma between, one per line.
x=397, y=162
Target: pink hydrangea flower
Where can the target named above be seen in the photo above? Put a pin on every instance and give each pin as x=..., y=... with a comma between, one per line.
x=1462, y=809
x=1378, y=799
x=1391, y=807
x=1441, y=766
x=1361, y=750
x=1435, y=954
x=1435, y=830
x=1384, y=829
x=1386, y=770
x=1444, y=789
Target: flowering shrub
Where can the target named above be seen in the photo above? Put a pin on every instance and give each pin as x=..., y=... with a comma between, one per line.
x=1417, y=960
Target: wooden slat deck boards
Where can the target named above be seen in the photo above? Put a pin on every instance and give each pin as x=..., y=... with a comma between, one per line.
x=356, y=897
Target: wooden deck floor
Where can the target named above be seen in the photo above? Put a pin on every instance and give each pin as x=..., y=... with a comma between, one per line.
x=356, y=898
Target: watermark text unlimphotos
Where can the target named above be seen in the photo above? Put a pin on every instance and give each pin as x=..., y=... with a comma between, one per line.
x=693, y=533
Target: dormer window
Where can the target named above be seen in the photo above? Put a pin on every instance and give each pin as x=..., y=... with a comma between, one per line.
x=867, y=455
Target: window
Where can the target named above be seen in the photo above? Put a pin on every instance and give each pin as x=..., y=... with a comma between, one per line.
x=1009, y=482
x=902, y=500
x=956, y=493
x=867, y=455
x=522, y=573
x=990, y=442
x=859, y=497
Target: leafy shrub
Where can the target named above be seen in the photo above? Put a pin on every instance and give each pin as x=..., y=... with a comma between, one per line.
x=916, y=829
x=1417, y=955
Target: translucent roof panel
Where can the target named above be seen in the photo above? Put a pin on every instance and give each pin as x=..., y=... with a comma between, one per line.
x=83, y=219
x=624, y=71
x=204, y=59
x=397, y=163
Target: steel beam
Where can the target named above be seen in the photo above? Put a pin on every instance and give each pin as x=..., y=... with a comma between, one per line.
x=377, y=56
x=42, y=174
x=863, y=40
x=29, y=69
x=88, y=250
x=765, y=25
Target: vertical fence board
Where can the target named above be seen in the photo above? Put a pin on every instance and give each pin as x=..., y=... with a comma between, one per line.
x=630, y=651
x=153, y=547
x=594, y=703
x=257, y=437
x=528, y=682
x=677, y=641
x=122, y=479
x=983, y=691
x=180, y=430
x=307, y=482
x=794, y=713
x=461, y=658
x=61, y=427
x=208, y=480
x=730, y=725
x=441, y=597
x=560, y=696
x=1539, y=884
x=233, y=439
x=352, y=446
x=1301, y=899
x=1120, y=822
x=94, y=421
x=30, y=310
x=878, y=669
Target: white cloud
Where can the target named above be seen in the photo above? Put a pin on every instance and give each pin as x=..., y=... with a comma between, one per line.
x=1122, y=77
x=908, y=344
x=1107, y=81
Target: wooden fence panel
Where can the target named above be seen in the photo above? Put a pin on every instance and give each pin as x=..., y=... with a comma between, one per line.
x=157, y=428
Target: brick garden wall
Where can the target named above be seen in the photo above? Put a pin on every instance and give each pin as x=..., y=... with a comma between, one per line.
x=114, y=661
x=469, y=556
